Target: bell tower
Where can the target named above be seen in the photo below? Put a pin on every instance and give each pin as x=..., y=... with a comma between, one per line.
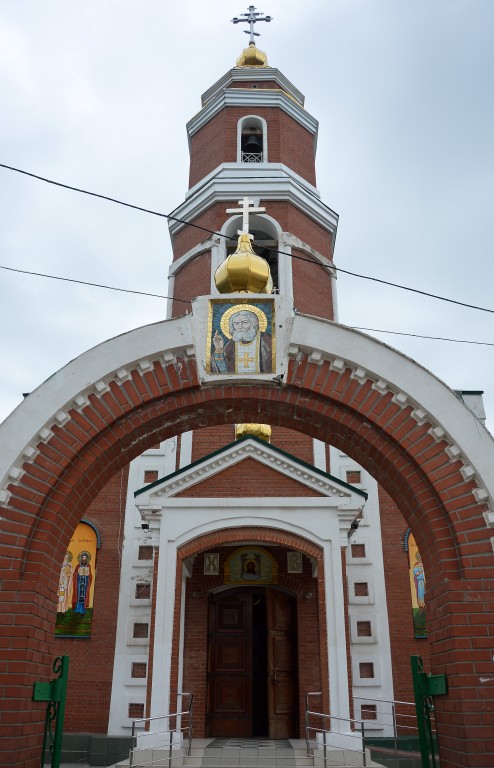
x=253, y=139
x=252, y=247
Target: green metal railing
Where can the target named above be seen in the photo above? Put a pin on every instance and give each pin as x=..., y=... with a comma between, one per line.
x=425, y=686
x=54, y=693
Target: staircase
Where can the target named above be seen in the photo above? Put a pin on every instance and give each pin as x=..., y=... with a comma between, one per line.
x=249, y=753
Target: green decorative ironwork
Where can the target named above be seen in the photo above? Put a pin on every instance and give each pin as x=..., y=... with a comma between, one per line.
x=425, y=686
x=54, y=693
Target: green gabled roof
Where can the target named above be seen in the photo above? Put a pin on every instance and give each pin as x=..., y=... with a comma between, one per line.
x=280, y=451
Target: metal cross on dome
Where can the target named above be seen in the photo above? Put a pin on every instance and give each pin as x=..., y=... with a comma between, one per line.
x=251, y=18
x=245, y=209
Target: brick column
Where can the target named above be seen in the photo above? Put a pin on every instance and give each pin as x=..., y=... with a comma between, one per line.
x=461, y=620
x=27, y=618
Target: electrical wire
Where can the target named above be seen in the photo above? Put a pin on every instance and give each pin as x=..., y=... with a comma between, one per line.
x=93, y=285
x=419, y=336
x=220, y=234
x=185, y=301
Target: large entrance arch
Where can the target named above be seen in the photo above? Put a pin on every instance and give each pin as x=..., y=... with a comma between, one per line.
x=396, y=419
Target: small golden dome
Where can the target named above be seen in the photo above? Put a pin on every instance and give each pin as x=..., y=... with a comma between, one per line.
x=252, y=57
x=262, y=431
x=244, y=271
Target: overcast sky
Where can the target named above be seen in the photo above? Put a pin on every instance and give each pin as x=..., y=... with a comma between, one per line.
x=97, y=95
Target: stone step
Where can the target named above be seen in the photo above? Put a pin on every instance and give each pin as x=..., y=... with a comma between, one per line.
x=248, y=753
x=344, y=758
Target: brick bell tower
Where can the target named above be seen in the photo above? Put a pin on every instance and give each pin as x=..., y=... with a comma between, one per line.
x=254, y=139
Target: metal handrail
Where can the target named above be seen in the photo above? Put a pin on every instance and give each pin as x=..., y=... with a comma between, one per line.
x=169, y=730
x=401, y=721
x=324, y=717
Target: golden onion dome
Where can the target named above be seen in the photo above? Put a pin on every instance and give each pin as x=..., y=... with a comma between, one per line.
x=244, y=271
x=262, y=431
x=252, y=57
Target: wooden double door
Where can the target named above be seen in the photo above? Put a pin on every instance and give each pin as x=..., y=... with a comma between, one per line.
x=252, y=664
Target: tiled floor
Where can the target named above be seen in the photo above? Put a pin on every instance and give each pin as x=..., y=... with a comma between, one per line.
x=255, y=753
x=251, y=743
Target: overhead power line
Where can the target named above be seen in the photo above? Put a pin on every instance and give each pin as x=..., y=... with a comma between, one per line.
x=420, y=336
x=94, y=285
x=186, y=301
x=220, y=234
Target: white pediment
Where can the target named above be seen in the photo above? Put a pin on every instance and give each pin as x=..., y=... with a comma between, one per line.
x=343, y=495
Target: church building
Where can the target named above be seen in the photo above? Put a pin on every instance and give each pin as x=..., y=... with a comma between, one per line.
x=284, y=565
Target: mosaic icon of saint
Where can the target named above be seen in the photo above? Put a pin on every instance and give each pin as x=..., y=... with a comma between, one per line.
x=249, y=347
x=419, y=579
x=65, y=583
x=82, y=583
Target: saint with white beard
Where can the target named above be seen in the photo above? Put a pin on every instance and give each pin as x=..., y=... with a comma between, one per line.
x=248, y=349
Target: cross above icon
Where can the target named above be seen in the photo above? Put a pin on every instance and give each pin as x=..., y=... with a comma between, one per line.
x=247, y=207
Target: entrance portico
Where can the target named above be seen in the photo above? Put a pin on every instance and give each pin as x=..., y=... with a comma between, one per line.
x=193, y=532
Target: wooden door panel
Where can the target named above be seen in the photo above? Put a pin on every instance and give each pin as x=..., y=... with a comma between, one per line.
x=229, y=696
x=229, y=656
x=283, y=614
x=282, y=663
x=284, y=697
x=230, y=666
x=230, y=617
x=283, y=653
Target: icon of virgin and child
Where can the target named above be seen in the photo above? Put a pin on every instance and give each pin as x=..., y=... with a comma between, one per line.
x=240, y=341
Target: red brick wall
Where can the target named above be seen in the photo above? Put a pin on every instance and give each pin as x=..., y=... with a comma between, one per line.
x=188, y=237
x=206, y=441
x=306, y=229
x=216, y=142
x=403, y=642
x=312, y=291
x=91, y=660
x=296, y=443
x=194, y=279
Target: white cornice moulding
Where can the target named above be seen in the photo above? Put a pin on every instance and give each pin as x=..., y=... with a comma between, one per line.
x=268, y=181
x=259, y=97
x=248, y=74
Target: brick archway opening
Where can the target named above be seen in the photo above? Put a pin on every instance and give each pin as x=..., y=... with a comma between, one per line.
x=409, y=456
